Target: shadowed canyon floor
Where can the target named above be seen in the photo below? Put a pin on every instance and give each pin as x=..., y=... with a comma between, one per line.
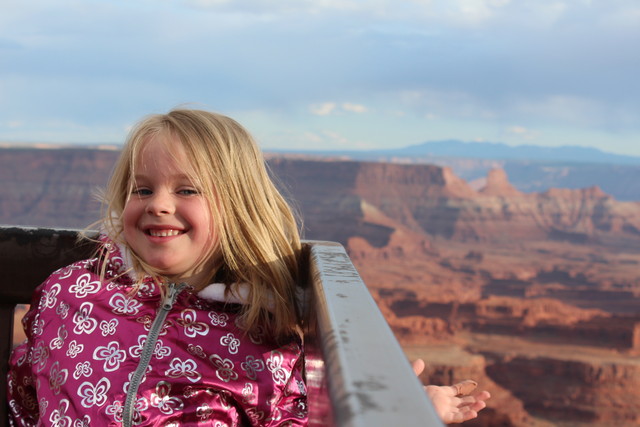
x=535, y=295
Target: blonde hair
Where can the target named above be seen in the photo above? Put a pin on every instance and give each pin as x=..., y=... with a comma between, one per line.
x=257, y=235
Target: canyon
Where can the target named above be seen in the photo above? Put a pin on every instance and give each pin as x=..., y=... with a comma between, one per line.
x=535, y=295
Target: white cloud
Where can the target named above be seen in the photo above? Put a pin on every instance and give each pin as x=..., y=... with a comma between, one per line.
x=328, y=108
x=625, y=18
x=323, y=109
x=491, y=63
x=354, y=108
x=14, y=124
x=312, y=137
x=522, y=132
x=335, y=139
x=317, y=139
x=276, y=7
x=207, y=3
x=518, y=130
x=550, y=12
x=477, y=10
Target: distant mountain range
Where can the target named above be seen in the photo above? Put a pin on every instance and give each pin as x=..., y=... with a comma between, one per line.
x=487, y=151
x=529, y=168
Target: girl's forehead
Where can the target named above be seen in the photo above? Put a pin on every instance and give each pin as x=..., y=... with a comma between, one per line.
x=163, y=153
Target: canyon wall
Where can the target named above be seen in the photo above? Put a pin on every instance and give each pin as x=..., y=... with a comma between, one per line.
x=535, y=295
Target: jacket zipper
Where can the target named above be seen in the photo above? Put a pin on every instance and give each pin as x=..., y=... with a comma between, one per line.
x=147, y=350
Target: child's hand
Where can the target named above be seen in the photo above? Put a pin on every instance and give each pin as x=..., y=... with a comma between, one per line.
x=453, y=404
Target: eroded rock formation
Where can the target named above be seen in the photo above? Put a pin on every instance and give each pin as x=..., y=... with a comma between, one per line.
x=535, y=295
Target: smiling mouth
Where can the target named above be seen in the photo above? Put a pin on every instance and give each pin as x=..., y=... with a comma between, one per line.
x=164, y=233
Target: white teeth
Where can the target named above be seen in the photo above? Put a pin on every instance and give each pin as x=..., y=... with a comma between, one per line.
x=164, y=233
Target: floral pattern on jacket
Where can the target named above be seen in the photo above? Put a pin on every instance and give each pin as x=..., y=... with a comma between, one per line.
x=85, y=339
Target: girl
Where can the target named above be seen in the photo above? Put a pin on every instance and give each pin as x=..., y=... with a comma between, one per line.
x=187, y=314
x=139, y=335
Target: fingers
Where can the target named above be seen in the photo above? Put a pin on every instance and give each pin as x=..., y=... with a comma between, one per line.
x=466, y=400
x=460, y=417
x=464, y=387
x=471, y=403
x=418, y=366
x=461, y=411
x=473, y=399
x=483, y=395
x=467, y=409
x=456, y=409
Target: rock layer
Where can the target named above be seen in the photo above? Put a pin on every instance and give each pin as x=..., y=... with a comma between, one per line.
x=538, y=290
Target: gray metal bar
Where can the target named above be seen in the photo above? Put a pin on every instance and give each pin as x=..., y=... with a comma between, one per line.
x=356, y=371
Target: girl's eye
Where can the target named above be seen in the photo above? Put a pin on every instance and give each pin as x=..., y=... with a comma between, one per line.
x=141, y=192
x=188, y=192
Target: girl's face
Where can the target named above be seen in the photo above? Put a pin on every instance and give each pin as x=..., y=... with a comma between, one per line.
x=167, y=221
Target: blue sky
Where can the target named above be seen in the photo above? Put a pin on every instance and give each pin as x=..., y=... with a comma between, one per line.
x=327, y=74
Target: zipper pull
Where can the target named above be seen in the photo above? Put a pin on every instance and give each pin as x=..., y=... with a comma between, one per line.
x=172, y=294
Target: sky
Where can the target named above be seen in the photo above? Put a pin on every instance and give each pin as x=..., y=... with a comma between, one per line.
x=327, y=74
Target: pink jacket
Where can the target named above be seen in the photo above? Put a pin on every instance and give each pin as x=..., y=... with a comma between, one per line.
x=97, y=356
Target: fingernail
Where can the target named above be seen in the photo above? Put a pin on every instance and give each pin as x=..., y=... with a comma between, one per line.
x=467, y=386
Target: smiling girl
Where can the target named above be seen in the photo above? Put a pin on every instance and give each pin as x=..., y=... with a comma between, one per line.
x=187, y=315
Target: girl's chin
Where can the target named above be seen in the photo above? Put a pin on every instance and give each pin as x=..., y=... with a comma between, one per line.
x=173, y=277
x=198, y=281
x=168, y=269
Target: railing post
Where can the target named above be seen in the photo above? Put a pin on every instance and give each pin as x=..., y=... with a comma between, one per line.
x=356, y=370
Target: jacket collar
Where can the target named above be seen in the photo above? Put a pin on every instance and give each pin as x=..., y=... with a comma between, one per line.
x=120, y=255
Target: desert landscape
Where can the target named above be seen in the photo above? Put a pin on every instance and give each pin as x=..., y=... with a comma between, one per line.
x=535, y=295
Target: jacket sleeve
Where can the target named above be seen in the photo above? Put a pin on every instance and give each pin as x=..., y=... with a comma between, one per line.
x=291, y=410
x=21, y=390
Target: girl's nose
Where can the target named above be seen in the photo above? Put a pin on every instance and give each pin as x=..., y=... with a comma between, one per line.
x=160, y=203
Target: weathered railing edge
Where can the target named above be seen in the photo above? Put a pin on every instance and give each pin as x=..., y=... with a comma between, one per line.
x=369, y=379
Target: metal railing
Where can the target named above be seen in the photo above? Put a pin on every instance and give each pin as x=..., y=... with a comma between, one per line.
x=357, y=374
